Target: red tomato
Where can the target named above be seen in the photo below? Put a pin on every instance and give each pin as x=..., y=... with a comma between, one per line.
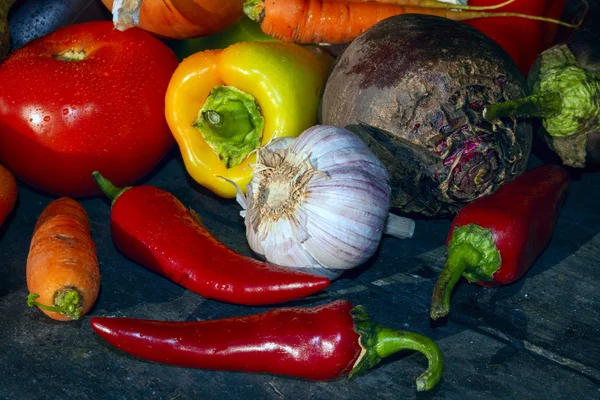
x=62, y=119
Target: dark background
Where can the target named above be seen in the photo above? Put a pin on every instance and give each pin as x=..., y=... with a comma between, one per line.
x=537, y=338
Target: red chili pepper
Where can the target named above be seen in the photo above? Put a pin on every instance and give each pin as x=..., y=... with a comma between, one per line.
x=317, y=343
x=497, y=238
x=523, y=39
x=155, y=229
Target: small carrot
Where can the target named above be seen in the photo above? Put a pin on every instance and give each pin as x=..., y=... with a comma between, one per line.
x=63, y=275
x=336, y=22
x=8, y=193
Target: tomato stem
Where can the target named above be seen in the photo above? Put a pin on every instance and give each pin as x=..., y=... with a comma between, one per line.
x=72, y=55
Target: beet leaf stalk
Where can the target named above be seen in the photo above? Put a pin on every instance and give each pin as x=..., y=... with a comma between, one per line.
x=566, y=96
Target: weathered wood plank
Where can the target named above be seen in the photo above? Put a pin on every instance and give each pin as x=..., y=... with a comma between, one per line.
x=512, y=354
x=68, y=360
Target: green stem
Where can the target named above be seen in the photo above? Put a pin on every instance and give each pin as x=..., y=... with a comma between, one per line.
x=462, y=258
x=213, y=118
x=71, y=55
x=379, y=342
x=67, y=301
x=472, y=253
x=542, y=105
x=230, y=122
x=255, y=10
x=110, y=190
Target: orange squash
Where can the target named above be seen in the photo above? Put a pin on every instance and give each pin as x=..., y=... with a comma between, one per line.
x=181, y=19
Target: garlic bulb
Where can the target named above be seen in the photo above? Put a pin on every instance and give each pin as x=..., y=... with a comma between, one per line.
x=318, y=202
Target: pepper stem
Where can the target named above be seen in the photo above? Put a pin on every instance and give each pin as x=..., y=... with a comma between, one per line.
x=379, y=342
x=110, y=190
x=463, y=257
x=67, y=301
x=472, y=253
x=542, y=105
x=230, y=123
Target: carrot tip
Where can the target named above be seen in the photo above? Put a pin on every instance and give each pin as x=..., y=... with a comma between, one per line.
x=31, y=299
x=255, y=10
x=67, y=302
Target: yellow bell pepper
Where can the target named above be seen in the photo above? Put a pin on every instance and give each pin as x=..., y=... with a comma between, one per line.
x=223, y=104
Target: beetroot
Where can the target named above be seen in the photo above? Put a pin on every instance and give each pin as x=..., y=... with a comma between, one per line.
x=413, y=87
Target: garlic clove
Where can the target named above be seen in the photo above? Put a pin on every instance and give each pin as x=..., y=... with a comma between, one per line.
x=282, y=245
x=339, y=245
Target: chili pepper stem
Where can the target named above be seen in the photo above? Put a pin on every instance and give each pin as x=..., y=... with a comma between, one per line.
x=110, y=190
x=66, y=302
x=379, y=342
x=540, y=105
x=461, y=258
x=391, y=341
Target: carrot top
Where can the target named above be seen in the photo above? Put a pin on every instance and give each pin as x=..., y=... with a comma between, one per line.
x=255, y=10
x=67, y=301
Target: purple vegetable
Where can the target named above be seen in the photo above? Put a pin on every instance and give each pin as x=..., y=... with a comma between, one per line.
x=413, y=87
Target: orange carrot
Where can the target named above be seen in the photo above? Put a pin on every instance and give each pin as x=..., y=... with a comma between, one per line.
x=8, y=193
x=334, y=22
x=63, y=275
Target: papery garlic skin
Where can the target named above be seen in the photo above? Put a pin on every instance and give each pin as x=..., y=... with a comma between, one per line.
x=318, y=202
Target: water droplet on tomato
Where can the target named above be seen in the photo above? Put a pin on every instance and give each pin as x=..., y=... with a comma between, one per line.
x=65, y=111
x=46, y=118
